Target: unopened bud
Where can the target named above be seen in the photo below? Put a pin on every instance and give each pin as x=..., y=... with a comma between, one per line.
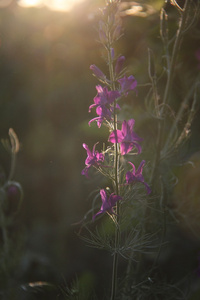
x=119, y=64
x=14, y=141
x=163, y=25
x=112, y=52
x=102, y=36
x=97, y=72
x=116, y=33
x=102, y=32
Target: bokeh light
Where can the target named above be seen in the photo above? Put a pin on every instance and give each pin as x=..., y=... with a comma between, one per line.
x=59, y=5
x=4, y=3
x=29, y=3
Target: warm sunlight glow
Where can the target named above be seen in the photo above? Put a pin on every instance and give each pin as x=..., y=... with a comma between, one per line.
x=60, y=5
x=29, y=3
x=4, y=3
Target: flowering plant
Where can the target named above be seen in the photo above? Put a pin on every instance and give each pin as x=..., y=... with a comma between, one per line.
x=127, y=202
x=122, y=142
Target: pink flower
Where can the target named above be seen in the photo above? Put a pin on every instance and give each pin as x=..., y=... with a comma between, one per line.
x=127, y=84
x=127, y=137
x=94, y=158
x=107, y=203
x=104, y=97
x=104, y=114
x=102, y=102
x=136, y=176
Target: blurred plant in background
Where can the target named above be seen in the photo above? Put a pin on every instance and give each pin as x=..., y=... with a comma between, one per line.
x=11, y=195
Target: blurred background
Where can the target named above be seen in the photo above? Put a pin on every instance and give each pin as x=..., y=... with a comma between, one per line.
x=46, y=87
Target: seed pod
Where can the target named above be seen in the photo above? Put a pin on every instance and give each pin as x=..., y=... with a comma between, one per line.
x=14, y=141
x=164, y=25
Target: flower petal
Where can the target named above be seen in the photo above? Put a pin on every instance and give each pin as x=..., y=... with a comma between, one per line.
x=116, y=137
x=125, y=148
x=140, y=168
x=131, y=124
x=133, y=167
x=147, y=188
x=130, y=177
x=113, y=199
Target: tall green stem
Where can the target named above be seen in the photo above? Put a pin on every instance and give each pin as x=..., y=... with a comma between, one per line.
x=116, y=181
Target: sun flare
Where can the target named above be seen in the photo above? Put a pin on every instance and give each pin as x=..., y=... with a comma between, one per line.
x=59, y=5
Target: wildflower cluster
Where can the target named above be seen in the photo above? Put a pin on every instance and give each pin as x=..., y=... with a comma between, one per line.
x=106, y=103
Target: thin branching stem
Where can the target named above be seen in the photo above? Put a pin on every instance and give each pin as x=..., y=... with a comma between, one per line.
x=170, y=73
x=171, y=63
x=179, y=116
x=176, y=47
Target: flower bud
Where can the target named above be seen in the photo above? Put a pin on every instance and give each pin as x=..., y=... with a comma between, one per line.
x=116, y=33
x=102, y=32
x=112, y=52
x=102, y=36
x=119, y=64
x=97, y=72
x=163, y=25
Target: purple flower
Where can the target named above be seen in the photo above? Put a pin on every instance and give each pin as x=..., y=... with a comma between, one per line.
x=102, y=102
x=94, y=158
x=104, y=114
x=127, y=84
x=107, y=203
x=136, y=176
x=126, y=136
x=104, y=97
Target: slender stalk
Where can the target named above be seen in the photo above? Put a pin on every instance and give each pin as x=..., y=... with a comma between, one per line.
x=116, y=178
x=171, y=63
x=179, y=116
x=170, y=72
x=12, y=167
x=176, y=47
